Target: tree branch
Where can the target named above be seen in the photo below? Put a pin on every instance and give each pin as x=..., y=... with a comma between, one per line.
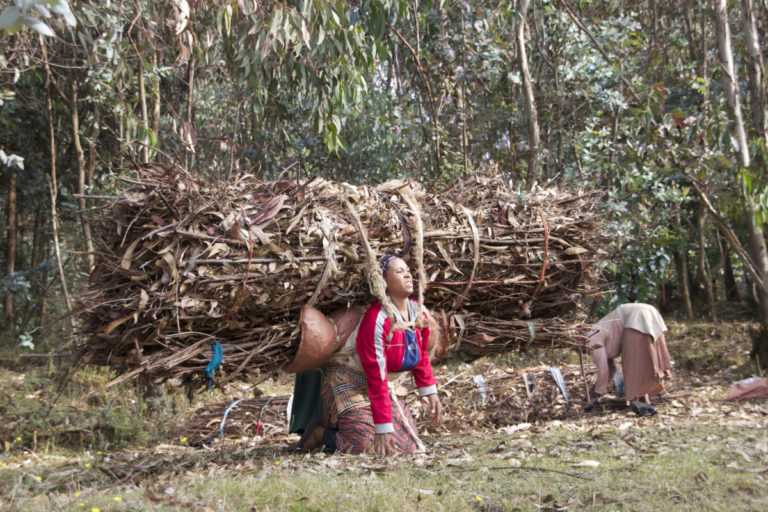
x=429, y=96
x=749, y=264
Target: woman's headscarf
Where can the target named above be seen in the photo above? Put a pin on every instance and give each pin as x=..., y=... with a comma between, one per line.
x=385, y=261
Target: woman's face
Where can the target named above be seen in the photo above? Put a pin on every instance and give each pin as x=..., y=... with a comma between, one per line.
x=398, y=279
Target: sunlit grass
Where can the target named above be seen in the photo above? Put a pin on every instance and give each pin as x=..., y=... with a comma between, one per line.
x=610, y=467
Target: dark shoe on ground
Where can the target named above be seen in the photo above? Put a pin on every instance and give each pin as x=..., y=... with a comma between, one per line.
x=643, y=409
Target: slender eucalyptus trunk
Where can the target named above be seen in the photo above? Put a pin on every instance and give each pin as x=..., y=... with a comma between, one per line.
x=511, y=132
x=462, y=107
x=10, y=237
x=681, y=267
x=81, y=176
x=530, y=101
x=93, y=154
x=434, y=114
x=755, y=76
x=704, y=278
x=155, y=99
x=35, y=254
x=462, y=95
x=758, y=251
x=190, y=111
x=730, y=290
x=235, y=129
x=42, y=297
x=54, y=186
x=652, y=42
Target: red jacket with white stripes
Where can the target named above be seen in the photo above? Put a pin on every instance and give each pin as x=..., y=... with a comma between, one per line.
x=379, y=356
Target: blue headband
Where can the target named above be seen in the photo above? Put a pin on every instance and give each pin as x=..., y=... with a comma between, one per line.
x=385, y=262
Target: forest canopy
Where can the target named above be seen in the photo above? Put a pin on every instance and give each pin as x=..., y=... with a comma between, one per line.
x=661, y=105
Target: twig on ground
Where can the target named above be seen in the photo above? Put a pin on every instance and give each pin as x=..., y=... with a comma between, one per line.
x=525, y=468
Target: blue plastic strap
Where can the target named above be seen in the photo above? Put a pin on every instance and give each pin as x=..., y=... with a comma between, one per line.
x=223, y=419
x=214, y=363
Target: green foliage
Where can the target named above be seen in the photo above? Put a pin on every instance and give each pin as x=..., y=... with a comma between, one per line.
x=373, y=90
x=16, y=17
x=309, y=53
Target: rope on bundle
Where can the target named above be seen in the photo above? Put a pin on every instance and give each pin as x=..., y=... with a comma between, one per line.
x=420, y=321
x=406, y=231
x=326, y=226
x=407, y=424
x=375, y=279
x=476, y=249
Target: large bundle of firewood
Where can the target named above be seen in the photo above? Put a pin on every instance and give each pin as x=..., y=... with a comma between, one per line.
x=182, y=262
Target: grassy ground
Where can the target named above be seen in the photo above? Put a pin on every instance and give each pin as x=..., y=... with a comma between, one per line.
x=697, y=453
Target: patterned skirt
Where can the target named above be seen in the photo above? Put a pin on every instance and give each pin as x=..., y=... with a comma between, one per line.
x=346, y=409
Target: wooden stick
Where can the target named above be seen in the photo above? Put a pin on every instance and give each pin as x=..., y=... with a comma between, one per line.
x=583, y=376
x=528, y=468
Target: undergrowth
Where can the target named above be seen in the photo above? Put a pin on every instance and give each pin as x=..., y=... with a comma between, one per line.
x=45, y=410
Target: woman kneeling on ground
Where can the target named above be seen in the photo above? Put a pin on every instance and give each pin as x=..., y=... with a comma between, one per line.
x=358, y=408
x=634, y=331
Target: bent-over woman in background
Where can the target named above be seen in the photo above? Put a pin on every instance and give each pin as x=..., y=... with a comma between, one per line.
x=634, y=331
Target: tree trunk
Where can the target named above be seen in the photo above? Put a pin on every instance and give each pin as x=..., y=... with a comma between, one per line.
x=730, y=290
x=511, y=132
x=10, y=231
x=53, y=185
x=462, y=95
x=235, y=130
x=93, y=154
x=681, y=267
x=690, y=32
x=155, y=99
x=703, y=47
x=144, y=115
x=755, y=69
x=758, y=251
x=43, y=295
x=652, y=42
x=190, y=110
x=81, y=175
x=427, y=88
x=462, y=105
x=36, y=253
x=704, y=278
x=530, y=101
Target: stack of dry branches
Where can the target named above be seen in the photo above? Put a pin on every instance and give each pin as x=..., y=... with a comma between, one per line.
x=181, y=262
x=503, y=397
x=506, y=396
x=263, y=416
